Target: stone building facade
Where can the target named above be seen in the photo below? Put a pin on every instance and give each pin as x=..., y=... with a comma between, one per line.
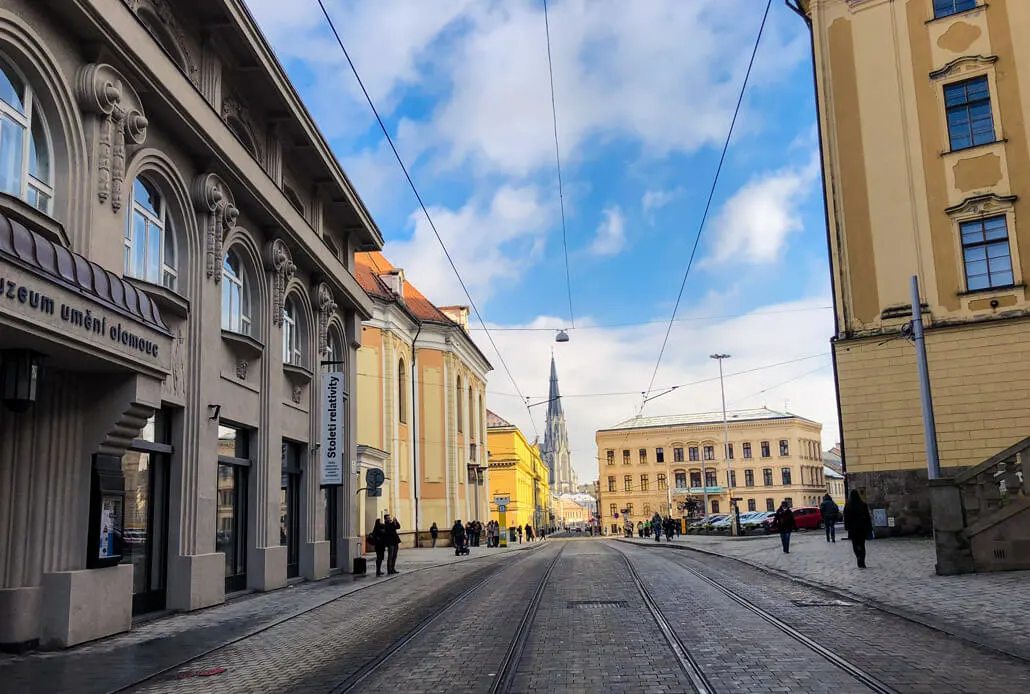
x=518, y=472
x=177, y=254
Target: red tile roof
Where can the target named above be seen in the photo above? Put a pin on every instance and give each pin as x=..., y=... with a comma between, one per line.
x=372, y=265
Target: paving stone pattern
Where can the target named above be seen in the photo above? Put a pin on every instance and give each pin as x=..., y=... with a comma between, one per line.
x=907, y=656
x=601, y=648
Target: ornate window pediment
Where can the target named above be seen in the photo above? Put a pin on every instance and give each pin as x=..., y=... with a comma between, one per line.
x=982, y=205
x=160, y=20
x=963, y=63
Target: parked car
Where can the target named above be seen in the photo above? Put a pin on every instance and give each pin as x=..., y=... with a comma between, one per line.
x=806, y=518
x=708, y=520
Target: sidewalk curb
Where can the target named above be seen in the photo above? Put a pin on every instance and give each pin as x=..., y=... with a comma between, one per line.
x=972, y=638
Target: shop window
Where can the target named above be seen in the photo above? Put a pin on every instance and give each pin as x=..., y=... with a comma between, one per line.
x=752, y=505
x=231, y=505
x=235, y=296
x=985, y=251
x=662, y=481
x=659, y=455
x=291, y=335
x=968, y=106
x=150, y=252
x=26, y=171
x=289, y=506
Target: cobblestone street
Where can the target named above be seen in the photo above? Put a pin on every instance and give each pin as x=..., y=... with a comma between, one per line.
x=557, y=616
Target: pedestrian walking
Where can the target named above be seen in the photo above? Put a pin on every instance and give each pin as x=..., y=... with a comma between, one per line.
x=393, y=542
x=520, y=534
x=434, y=532
x=378, y=539
x=656, y=527
x=829, y=511
x=786, y=524
x=458, y=537
x=859, y=524
x=529, y=532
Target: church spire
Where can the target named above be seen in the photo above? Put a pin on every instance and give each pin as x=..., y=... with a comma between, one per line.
x=554, y=408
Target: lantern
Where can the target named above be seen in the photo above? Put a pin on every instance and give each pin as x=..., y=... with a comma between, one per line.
x=19, y=378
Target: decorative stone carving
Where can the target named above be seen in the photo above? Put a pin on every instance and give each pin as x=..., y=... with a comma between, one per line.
x=233, y=109
x=982, y=205
x=280, y=263
x=241, y=369
x=213, y=199
x=162, y=10
x=326, y=308
x=297, y=392
x=963, y=63
x=179, y=362
x=104, y=92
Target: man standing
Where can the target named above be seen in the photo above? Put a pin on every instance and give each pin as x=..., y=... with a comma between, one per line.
x=786, y=524
x=392, y=540
x=859, y=524
x=829, y=511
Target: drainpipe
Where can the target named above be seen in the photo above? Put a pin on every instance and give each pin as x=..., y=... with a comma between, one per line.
x=793, y=5
x=415, y=410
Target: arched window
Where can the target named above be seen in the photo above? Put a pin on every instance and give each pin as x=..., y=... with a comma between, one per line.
x=149, y=241
x=25, y=166
x=458, y=405
x=472, y=416
x=291, y=335
x=235, y=296
x=402, y=392
x=333, y=352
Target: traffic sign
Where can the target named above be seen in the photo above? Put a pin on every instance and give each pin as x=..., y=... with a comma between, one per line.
x=374, y=491
x=502, y=500
x=374, y=477
x=502, y=508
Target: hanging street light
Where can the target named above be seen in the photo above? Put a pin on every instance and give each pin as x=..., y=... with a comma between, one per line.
x=19, y=378
x=562, y=336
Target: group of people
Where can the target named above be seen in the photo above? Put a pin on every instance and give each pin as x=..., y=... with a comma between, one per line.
x=858, y=522
x=657, y=527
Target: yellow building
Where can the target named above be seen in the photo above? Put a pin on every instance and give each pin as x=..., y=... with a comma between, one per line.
x=569, y=513
x=926, y=154
x=432, y=452
x=516, y=471
x=645, y=463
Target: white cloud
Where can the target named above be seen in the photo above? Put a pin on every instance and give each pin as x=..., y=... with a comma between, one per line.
x=490, y=244
x=655, y=200
x=584, y=367
x=755, y=222
x=611, y=233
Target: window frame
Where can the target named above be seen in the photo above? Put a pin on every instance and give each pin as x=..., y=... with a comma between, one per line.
x=662, y=481
x=25, y=119
x=167, y=272
x=784, y=448
x=746, y=448
x=611, y=483
x=693, y=454
x=645, y=483
x=659, y=455
x=642, y=456
x=767, y=477
x=985, y=243
x=240, y=281
x=677, y=454
x=967, y=107
x=749, y=478
x=625, y=457
x=292, y=352
x=938, y=13
x=766, y=449
x=786, y=476
x=402, y=391
x=611, y=456
x=627, y=483
x=708, y=452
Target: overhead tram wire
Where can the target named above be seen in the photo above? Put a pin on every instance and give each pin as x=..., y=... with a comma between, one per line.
x=557, y=158
x=418, y=196
x=605, y=326
x=711, y=196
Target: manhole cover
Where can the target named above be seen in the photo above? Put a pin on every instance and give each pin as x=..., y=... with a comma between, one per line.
x=823, y=603
x=597, y=603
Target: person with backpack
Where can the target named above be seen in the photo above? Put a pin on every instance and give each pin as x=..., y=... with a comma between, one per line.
x=829, y=511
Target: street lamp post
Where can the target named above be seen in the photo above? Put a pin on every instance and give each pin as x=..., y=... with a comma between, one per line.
x=726, y=445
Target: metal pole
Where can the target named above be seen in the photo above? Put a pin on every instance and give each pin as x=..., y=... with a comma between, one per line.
x=933, y=466
x=726, y=444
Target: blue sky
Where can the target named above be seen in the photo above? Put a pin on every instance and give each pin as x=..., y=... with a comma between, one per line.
x=644, y=92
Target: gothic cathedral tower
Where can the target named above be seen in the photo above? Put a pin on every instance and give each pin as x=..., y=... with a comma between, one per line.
x=555, y=451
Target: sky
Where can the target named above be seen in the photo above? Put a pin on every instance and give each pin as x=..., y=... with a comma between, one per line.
x=644, y=92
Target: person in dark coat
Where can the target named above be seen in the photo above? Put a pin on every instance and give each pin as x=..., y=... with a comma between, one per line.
x=829, y=511
x=378, y=539
x=434, y=532
x=458, y=536
x=393, y=542
x=859, y=524
x=786, y=524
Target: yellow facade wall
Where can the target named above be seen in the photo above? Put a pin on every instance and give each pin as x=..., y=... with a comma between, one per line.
x=517, y=471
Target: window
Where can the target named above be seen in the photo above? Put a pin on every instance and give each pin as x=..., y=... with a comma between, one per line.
x=662, y=482
x=645, y=484
x=752, y=505
x=333, y=353
x=693, y=453
x=747, y=450
x=790, y=501
x=629, y=509
x=613, y=509
x=695, y=479
x=458, y=408
x=677, y=455
x=402, y=392
x=711, y=480
x=729, y=451
x=715, y=505
x=943, y=8
x=749, y=478
x=627, y=483
x=291, y=338
x=765, y=449
x=293, y=198
x=785, y=476
x=643, y=456
x=767, y=477
x=659, y=455
x=625, y=456
x=611, y=456
x=149, y=243
x=770, y=505
x=733, y=478
x=647, y=510
x=784, y=447
x=985, y=249
x=25, y=168
x=709, y=452
x=681, y=479
x=968, y=106
x=611, y=483
x=235, y=296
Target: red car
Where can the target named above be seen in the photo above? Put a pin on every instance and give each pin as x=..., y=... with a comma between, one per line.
x=806, y=518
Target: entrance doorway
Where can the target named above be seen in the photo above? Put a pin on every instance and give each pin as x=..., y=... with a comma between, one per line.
x=332, y=532
x=231, y=527
x=289, y=507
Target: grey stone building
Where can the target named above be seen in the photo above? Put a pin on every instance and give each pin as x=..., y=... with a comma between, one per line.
x=176, y=269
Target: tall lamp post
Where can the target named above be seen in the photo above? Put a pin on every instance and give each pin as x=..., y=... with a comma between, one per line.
x=726, y=444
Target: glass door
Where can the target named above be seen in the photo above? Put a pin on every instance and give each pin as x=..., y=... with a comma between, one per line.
x=289, y=507
x=329, y=495
x=231, y=522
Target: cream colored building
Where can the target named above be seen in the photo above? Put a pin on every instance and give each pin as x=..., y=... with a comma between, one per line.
x=646, y=462
x=568, y=512
x=176, y=261
x=926, y=153
x=421, y=406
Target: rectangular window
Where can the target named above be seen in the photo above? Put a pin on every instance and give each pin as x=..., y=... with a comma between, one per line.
x=968, y=105
x=695, y=479
x=692, y=451
x=784, y=447
x=785, y=476
x=611, y=483
x=681, y=480
x=613, y=509
x=662, y=482
x=647, y=510
x=643, y=456
x=770, y=505
x=715, y=505
x=611, y=457
x=733, y=478
x=709, y=452
x=767, y=476
x=629, y=509
x=627, y=483
x=711, y=480
x=659, y=455
x=677, y=455
x=751, y=505
x=749, y=478
x=985, y=249
x=747, y=450
x=645, y=484
x=625, y=456
x=943, y=8
x=765, y=449
x=729, y=451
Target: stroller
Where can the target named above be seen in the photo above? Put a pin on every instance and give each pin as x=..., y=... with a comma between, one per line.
x=461, y=546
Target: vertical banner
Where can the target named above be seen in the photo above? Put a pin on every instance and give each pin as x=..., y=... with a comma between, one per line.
x=332, y=448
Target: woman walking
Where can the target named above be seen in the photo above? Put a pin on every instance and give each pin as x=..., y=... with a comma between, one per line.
x=858, y=523
x=378, y=539
x=786, y=524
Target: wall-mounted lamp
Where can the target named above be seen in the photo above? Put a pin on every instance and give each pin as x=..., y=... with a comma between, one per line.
x=19, y=378
x=217, y=411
